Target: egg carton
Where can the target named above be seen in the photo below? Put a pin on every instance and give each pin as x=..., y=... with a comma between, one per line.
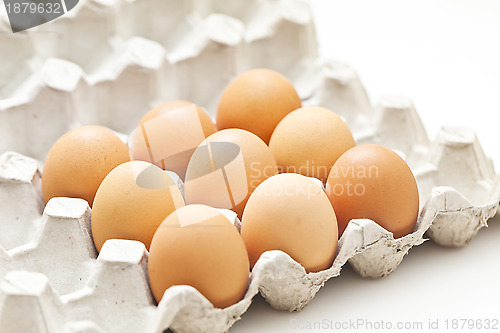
x=76, y=281
x=48, y=75
x=54, y=84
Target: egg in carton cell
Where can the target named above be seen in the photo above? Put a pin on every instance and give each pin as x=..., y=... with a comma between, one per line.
x=453, y=166
x=118, y=288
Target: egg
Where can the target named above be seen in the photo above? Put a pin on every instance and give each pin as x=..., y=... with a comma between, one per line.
x=291, y=213
x=198, y=246
x=309, y=141
x=373, y=182
x=256, y=101
x=168, y=134
x=226, y=168
x=78, y=162
x=132, y=201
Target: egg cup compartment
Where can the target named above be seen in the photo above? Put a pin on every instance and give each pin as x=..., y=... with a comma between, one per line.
x=457, y=168
x=58, y=243
x=20, y=195
x=49, y=80
x=117, y=286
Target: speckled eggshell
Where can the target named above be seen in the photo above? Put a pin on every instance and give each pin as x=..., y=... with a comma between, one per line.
x=256, y=101
x=168, y=134
x=291, y=213
x=226, y=168
x=198, y=246
x=78, y=162
x=371, y=181
x=131, y=203
x=309, y=141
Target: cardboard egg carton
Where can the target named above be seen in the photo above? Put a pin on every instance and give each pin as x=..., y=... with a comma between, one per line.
x=58, y=276
x=50, y=82
x=173, y=51
x=65, y=286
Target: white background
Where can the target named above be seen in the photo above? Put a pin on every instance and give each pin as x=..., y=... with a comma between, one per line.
x=445, y=55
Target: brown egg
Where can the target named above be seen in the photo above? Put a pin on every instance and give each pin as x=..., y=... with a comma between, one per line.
x=291, y=213
x=131, y=203
x=169, y=133
x=256, y=101
x=373, y=182
x=198, y=246
x=78, y=162
x=309, y=141
x=226, y=168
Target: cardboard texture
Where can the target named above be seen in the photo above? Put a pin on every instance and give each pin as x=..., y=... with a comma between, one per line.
x=144, y=52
